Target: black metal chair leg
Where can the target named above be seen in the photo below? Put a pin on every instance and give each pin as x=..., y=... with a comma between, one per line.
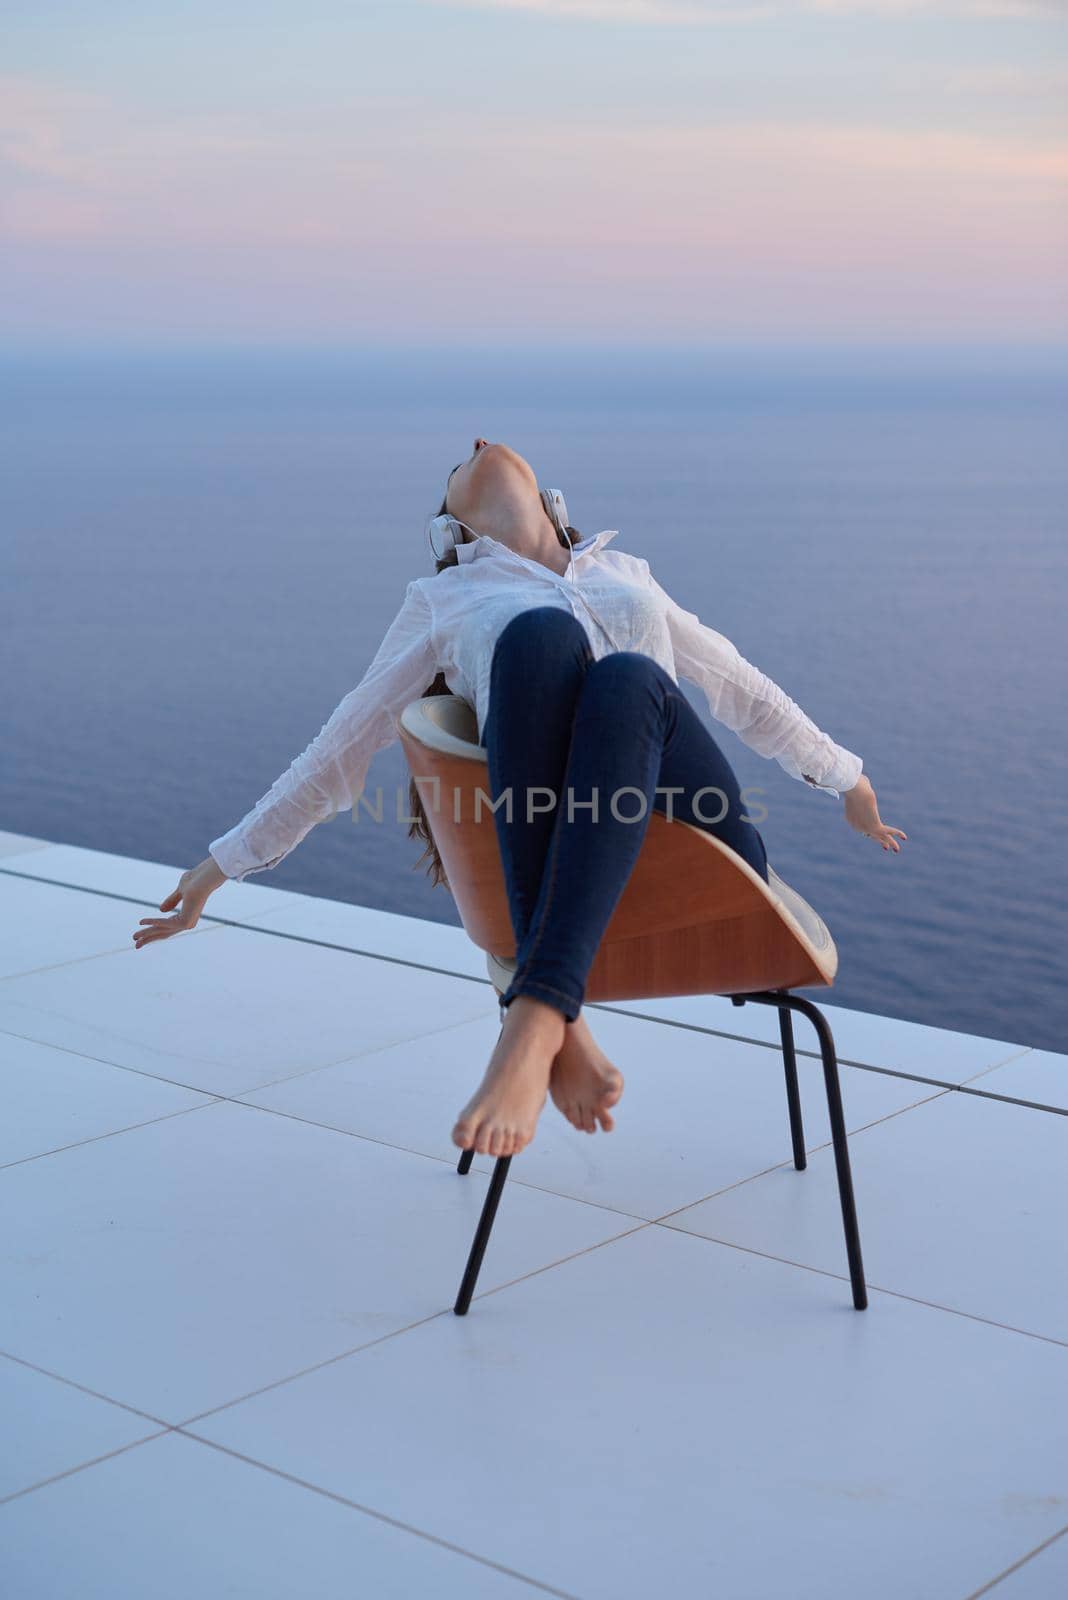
x=841, y=1152
x=783, y=1001
x=793, y=1095
x=485, y=1221
x=482, y=1233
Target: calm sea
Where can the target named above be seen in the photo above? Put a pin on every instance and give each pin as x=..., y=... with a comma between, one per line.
x=203, y=550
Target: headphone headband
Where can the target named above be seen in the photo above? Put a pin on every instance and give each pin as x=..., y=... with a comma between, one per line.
x=446, y=529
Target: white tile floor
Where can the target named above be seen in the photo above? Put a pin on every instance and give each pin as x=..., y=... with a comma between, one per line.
x=233, y=1232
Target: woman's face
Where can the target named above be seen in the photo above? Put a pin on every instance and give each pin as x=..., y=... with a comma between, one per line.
x=492, y=474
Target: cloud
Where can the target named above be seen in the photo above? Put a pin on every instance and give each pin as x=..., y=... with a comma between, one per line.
x=34, y=120
x=699, y=13
x=59, y=217
x=378, y=178
x=64, y=137
x=364, y=201
x=1047, y=80
x=352, y=218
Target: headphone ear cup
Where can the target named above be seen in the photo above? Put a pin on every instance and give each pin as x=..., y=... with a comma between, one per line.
x=556, y=511
x=443, y=531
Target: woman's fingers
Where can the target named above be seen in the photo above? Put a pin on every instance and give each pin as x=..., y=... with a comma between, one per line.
x=152, y=928
x=876, y=828
x=886, y=836
x=183, y=896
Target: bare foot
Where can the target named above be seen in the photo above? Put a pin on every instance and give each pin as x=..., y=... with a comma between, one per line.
x=584, y=1083
x=502, y=1114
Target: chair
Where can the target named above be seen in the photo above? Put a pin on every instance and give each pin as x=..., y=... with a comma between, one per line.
x=694, y=918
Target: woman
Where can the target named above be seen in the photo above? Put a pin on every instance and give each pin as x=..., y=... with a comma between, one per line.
x=521, y=607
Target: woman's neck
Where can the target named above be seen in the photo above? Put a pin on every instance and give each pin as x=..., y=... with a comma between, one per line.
x=536, y=538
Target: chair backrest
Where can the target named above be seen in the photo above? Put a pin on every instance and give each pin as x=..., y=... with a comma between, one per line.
x=693, y=918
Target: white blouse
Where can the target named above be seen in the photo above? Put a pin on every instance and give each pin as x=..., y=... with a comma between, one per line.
x=450, y=621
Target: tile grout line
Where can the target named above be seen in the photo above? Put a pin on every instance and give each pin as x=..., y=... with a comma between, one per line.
x=301, y=1483
x=944, y=1084
x=670, y=1022
x=383, y=1516
x=388, y=1144
x=94, y=1394
x=83, y=1466
x=212, y=1097
x=643, y=1225
x=992, y=1583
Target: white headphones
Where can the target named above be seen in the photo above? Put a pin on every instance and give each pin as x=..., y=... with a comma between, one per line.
x=447, y=528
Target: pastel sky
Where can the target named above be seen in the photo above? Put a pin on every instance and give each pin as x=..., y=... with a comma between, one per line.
x=460, y=171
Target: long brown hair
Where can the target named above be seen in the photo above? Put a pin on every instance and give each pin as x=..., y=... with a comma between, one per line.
x=419, y=827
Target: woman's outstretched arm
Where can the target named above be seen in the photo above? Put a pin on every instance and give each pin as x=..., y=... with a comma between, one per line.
x=764, y=717
x=748, y=702
x=327, y=777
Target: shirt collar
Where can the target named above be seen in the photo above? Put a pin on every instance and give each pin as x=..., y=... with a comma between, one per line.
x=484, y=545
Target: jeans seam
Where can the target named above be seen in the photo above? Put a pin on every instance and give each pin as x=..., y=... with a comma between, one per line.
x=586, y=660
x=554, y=848
x=550, y=892
x=553, y=852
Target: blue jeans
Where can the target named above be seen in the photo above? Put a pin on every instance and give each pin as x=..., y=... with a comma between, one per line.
x=559, y=724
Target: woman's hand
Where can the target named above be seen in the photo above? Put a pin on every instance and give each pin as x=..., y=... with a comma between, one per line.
x=193, y=890
x=862, y=813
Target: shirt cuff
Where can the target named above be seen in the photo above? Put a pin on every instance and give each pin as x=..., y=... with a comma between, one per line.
x=231, y=857
x=841, y=772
